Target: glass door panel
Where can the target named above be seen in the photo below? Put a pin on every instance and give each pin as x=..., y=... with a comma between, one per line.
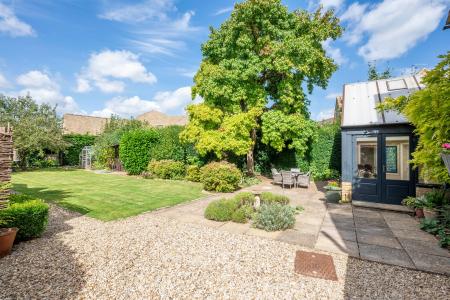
x=396, y=164
x=366, y=149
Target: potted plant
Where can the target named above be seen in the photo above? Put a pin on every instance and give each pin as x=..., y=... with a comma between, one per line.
x=446, y=155
x=7, y=237
x=415, y=203
x=333, y=193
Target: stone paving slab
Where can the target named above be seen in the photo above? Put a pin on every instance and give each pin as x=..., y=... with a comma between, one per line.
x=381, y=236
x=386, y=255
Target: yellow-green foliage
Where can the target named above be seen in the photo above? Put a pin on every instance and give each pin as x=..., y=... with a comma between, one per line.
x=429, y=111
x=220, y=177
x=167, y=169
x=193, y=173
x=221, y=210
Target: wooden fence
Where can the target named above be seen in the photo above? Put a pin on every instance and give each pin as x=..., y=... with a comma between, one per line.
x=6, y=157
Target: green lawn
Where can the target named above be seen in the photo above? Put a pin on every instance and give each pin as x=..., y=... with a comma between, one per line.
x=104, y=196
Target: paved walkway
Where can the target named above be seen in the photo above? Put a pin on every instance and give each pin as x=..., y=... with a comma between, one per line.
x=381, y=236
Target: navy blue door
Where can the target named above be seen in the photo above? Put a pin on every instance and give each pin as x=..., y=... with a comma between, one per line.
x=396, y=173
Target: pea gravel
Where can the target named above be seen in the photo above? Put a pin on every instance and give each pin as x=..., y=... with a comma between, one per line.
x=152, y=257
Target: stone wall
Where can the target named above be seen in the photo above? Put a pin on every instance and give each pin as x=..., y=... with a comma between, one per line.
x=6, y=155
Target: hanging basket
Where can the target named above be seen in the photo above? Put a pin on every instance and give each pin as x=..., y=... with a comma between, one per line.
x=446, y=159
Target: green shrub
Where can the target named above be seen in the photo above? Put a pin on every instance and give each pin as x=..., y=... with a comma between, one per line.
x=245, y=198
x=220, y=177
x=19, y=198
x=221, y=210
x=135, y=148
x=77, y=142
x=269, y=198
x=239, y=216
x=435, y=198
x=30, y=217
x=167, y=169
x=274, y=217
x=249, y=181
x=193, y=173
x=169, y=145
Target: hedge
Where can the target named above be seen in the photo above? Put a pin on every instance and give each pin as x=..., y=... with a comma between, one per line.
x=28, y=214
x=167, y=169
x=134, y=150
x=71, y=156
x=169, y=145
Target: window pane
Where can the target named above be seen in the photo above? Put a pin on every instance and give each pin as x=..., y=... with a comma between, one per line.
x=366, y=149
x=397, y=158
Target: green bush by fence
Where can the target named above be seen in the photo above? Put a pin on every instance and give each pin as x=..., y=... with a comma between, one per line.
x=28, y=214
x=71, y=155
x=220, y=177
x=134, y=150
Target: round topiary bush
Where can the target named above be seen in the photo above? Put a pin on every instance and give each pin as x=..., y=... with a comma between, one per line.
x=30, y=216
x=221, y=210
x=167, y=169
x=220, y=177
x=134, y=150
x=274, y=217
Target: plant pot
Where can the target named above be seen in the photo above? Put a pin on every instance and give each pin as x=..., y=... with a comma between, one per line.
x=419, y=213
x=7, y=237
x=429, y=213
x=446, y=158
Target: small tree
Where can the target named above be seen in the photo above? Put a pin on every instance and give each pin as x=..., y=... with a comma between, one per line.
x=372, y=73
x=429, y=111
x=36, y=126
x=253, y=74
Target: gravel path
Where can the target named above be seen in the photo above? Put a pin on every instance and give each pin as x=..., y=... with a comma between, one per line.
x=150, y=256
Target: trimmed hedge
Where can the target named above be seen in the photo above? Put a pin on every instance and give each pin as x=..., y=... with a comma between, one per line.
x=220, y=177
x=71, y=156
x=30, y=216
x=167, y=169
x=134, y=150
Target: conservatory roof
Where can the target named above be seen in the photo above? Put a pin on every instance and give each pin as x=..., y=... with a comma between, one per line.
x=361, y=99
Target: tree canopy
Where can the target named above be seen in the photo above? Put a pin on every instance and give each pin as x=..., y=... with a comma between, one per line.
x=255, y=73
x=36, y=127
x=429, y=111
x=373, y=74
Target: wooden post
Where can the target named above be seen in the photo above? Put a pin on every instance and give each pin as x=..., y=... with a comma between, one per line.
x=6, y=157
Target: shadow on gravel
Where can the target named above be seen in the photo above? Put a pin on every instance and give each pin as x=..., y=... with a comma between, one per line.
x=43, y=268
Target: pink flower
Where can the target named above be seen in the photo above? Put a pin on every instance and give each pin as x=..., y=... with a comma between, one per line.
x=446, y=146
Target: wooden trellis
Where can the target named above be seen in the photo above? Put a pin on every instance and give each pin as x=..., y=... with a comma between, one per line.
x=6, y=157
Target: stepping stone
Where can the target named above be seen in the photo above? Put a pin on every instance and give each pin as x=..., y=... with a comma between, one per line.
x=414, y=234
x=370, y=222
x=344, y=234
x=315, y=265
x=385, y=231
x=426, y=247
x=297, y=238
x=385, y=255
x=366, y=213
x=379, y=240
x=431, y=263
x=336, y=245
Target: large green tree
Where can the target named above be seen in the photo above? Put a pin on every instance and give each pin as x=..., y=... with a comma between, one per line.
x=429, y=111
x=254, y=73
x=36, y=127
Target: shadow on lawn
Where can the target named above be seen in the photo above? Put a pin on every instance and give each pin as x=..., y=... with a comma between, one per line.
x=43, y=268
x=51, y=196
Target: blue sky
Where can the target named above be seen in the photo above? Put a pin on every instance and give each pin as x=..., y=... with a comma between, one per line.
x=128, y=57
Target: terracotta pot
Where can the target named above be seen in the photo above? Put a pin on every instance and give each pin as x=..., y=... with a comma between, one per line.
x=429, y=213
x=7, y=237
x=419, y=213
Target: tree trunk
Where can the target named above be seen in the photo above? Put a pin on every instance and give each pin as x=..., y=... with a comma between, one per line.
x=250, y=156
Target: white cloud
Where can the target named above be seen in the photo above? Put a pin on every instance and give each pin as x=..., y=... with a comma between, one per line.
x=106, y=67
x=332, y=96
x=10, y=24
x=44, y=89
x=325, y=114
x=392, y=27
x=126, y=107
x=223, y=11
x=165, y=101
x=140, y=12
x=331, y=3
x=4, y=83
x=335, y=53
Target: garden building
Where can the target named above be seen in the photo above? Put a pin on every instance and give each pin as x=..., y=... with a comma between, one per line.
x=377, y=146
